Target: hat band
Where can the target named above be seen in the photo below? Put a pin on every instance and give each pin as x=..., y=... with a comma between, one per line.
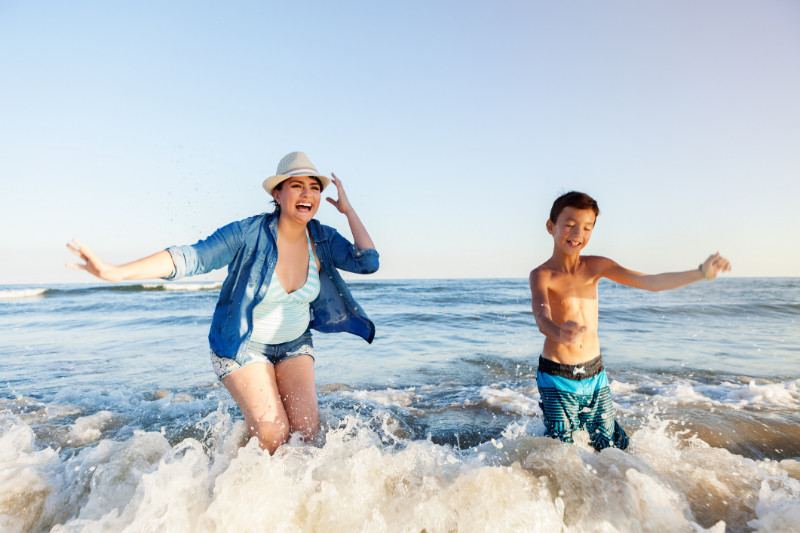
x=301, y=172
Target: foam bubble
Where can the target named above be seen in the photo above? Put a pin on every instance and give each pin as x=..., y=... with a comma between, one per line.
x=523, y=402
x=385, y=397
x=620, y=387
x=88, y=429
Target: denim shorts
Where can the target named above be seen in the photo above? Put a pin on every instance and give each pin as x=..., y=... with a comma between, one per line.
x=264, y=353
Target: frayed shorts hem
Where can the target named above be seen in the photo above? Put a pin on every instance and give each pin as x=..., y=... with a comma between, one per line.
x=263, y=353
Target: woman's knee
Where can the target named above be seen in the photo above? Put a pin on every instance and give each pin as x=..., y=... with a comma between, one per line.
x=270, y=433
x=307, y=425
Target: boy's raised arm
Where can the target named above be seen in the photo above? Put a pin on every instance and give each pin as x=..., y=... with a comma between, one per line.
x=566, y=333
x=709, y=269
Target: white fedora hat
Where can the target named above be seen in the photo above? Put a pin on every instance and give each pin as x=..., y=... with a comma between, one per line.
x=294, y=164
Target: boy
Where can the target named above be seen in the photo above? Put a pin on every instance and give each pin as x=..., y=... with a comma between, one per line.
x=572, y=383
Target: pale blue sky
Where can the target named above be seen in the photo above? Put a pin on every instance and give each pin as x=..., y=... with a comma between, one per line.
x=453, y=124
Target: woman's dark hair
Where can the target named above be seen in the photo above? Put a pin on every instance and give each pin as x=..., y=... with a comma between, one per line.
x=578, y=200
x=276, y=205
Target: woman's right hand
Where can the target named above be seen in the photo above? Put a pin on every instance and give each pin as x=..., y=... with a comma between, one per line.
x=92, y=264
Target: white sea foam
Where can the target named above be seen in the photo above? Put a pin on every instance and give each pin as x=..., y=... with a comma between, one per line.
x=18, y=294
x=770, y=394
x=184, y=287
x=523, y=402
x=355, y=483
x=25, y=482
x=777, y=507
x=385, y=397
x=620, y=387
x=88, y=429
x=785, y=395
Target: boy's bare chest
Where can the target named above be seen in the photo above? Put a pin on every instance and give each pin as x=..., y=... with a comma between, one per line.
x=573, y=298
x=568, y=288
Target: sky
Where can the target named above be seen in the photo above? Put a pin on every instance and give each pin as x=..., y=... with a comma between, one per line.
x=452, y=124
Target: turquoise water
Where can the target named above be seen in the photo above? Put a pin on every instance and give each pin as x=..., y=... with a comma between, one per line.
x=107, y=398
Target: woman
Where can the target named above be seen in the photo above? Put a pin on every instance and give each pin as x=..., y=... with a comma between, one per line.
x=282, y=280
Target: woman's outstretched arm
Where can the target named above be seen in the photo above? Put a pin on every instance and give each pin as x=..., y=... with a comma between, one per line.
x=158, y=265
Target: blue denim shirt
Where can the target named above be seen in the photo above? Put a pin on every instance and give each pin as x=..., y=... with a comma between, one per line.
x=248, y=248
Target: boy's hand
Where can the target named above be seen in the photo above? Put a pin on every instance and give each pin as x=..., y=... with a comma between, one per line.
x=570, y=331
x=712, y=266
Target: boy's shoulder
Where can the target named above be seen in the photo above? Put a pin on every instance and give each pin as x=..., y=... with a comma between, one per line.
x=551, y=264
x=548, y=268
x=594, y=259
x=542, y=270
x=542, y=274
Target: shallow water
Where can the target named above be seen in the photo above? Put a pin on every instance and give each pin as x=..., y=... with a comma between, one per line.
x=110, y=416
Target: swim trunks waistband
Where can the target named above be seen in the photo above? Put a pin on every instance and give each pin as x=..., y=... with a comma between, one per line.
x=577, y=372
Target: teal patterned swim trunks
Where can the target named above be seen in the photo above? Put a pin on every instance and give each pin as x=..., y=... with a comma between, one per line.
x=577, y=397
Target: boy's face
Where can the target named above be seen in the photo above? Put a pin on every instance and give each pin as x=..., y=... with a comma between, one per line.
x=572, y=229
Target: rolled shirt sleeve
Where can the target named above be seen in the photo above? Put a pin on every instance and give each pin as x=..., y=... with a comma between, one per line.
x=214, y=252
x=347, y=256
x=178, y=259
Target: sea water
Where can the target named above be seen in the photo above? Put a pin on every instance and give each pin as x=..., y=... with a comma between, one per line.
x=111, y=418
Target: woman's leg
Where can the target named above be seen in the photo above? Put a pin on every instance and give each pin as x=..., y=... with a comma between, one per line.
x=295, y=379
x=255, y=390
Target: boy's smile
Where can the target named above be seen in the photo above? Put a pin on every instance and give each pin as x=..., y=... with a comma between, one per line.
x=572, y=230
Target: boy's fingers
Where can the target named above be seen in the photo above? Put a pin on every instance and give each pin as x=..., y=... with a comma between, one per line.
x=721, y=263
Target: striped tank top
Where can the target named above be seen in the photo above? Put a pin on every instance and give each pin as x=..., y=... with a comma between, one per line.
x=281, y=316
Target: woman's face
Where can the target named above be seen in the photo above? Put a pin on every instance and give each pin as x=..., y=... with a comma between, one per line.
x=299, y=197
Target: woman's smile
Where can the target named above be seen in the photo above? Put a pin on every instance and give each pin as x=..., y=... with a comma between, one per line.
x=299, y=195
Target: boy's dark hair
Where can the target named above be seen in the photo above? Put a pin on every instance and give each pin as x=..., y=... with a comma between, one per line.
x=578, y=200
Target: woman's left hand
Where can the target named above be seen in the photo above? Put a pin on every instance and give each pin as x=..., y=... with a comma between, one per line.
x=342, y=203
x=360, y=235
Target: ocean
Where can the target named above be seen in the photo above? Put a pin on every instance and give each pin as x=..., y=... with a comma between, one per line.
x=111, y=418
